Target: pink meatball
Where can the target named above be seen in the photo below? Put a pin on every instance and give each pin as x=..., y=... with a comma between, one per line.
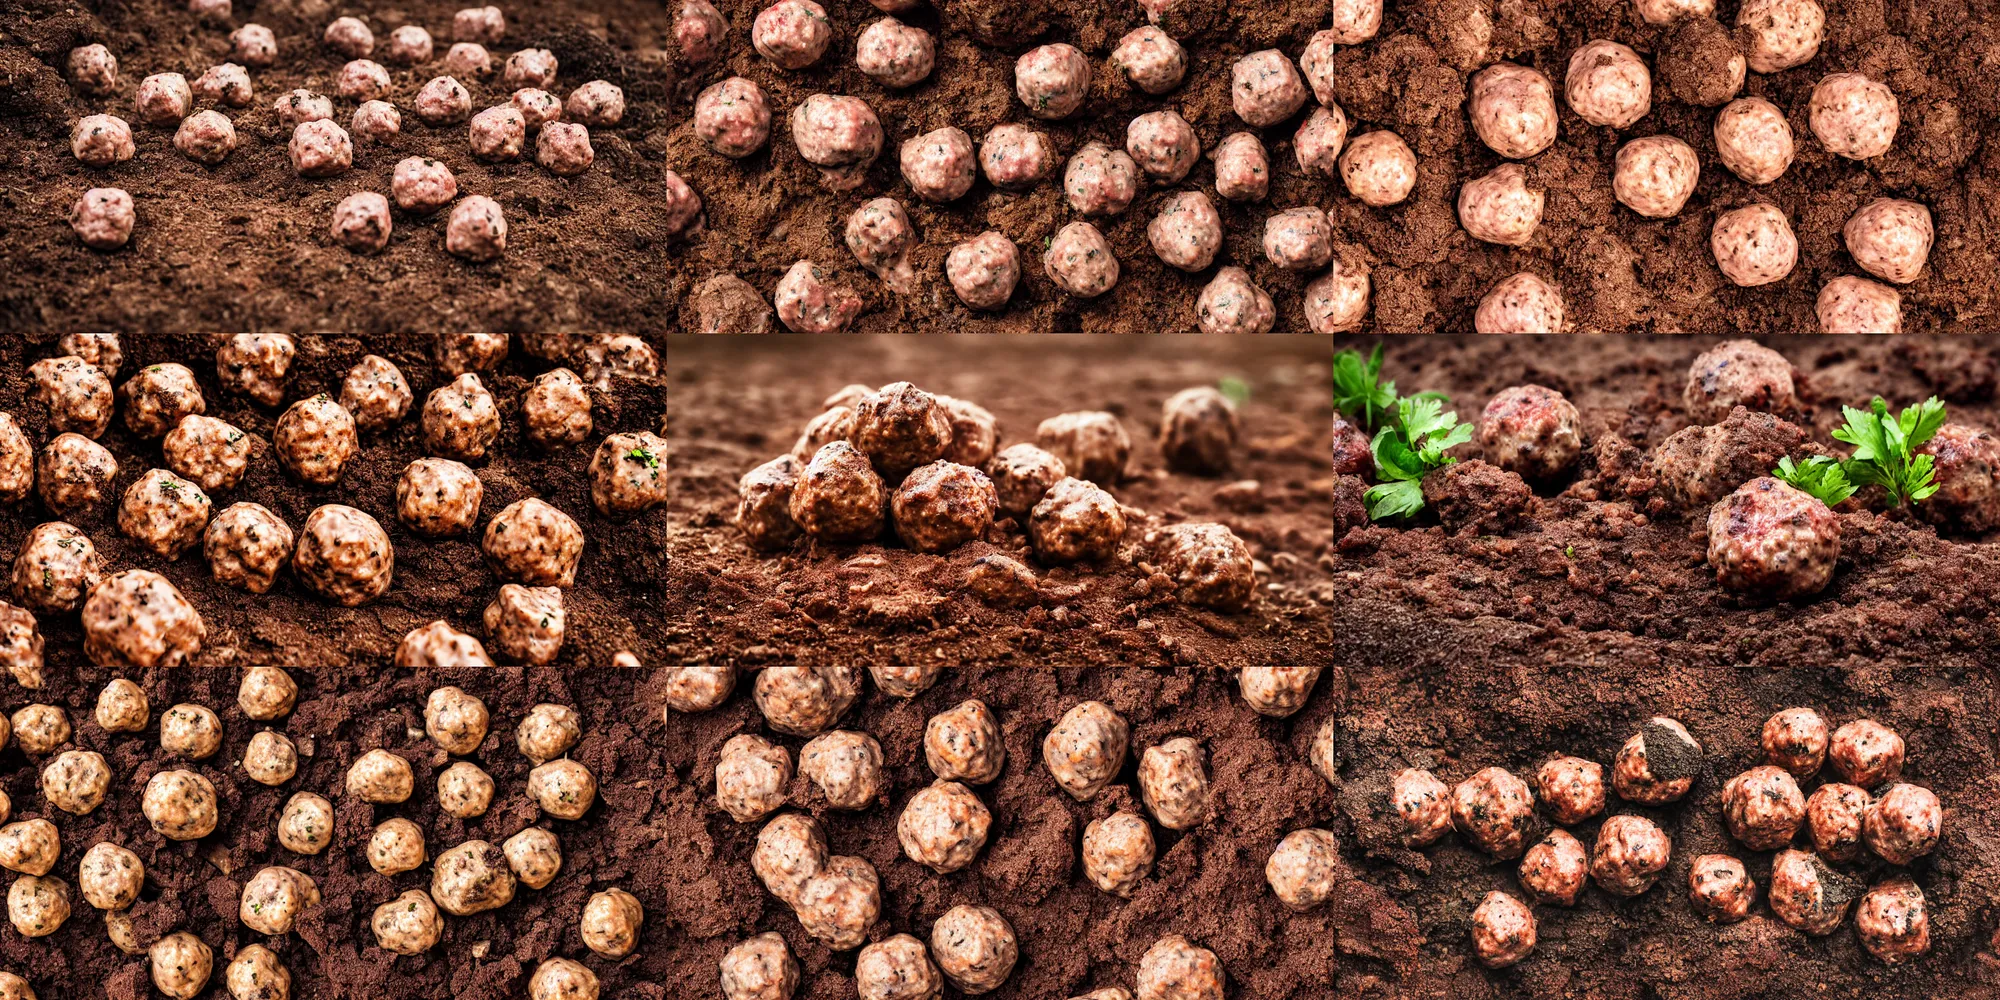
x=376, y=120
x=1753, y=140
x=840, y=135
x=226, y=83
x=361, y=222
x=894, y=54
x=530, y=68
x=1052, y=80
x=733, y=117
x=1379, y=168
x=1016, y=157
x=103, y=218
x=362, y=80
x=1337, y=301
x=205, y=137
x=1100, y=180
x=443, y=101
x=1500, y=207
x=301, y=106
x=537, y=107
x=253, y=45
x=93, y=69
x=163, y=99
x=1514, y=110
x=939, y=166
x=1318, y=142
x=1298, y=238
x=409, y=45
x=1754, y=245
x=1890, y=238
x=497, y=133
x=1521, y=303
x=791, y=33
x=350, y=37
x=1187, y=232
x=880, y=237
x=1080, y=262
x=422, y=185
x=469, y=60
x=321, y=149
x=1608, y=84
x=699, y=31
x=101, y=140
x=1242, y=170
x=1770, y=537
x=210, y=10
x=479, y=24
x=598, y=103
x=1265, y=88
x=807, y=305
x=564, y=148
x=477, y=229
x=984, y=270
x=1232, y=303
x=1854, y=116
x=1163, y=144
x=1150, y=59
x=1848, y=304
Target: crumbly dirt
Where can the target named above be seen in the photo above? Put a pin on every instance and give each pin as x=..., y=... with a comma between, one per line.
x=616, y=590
x=732, y=407
x=244, y=245
x=1618, y=271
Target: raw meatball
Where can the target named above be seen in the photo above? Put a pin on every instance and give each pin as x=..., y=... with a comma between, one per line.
x=1657, y=765
x=1016, y=157
x=1631, y=853
x=253, y=45
x=267, y=693
x=1174, y=783
x=975, y=947
x=1780, y=34
x=526, y=623
x=557, y=409
x=1770, y=537
x=733, y=117
x=1298, y=238
x=1965, y=460
x=110, y=876
x=408, y=924
x=409, y=45
x=1379, y=168
x=1086, y=748
x=944, y=827
x=943, y=505
x=101, y=140
x=361, y=222
x=1118, y=852
x=158, y=397
x=537, y=108
x=56, y=567
x=846, y=767
x=1654, y=176
x=562, y=788
x=1163, y=145
x=1079, y=261
x=984, y=270
x=1302, y=870
x=472, y=878
x=1753, y=140
x=1176, y=969
x=350, y=37
x=939, y=165
x=1198, y=431
x=1608, y=84
x=610, y=923
x=443, y=101
x=190, y=731
x=1317, y=144
x=103, y=218
x=1738, y=373
x=93, y=69
x=1854, y=116
x=301, y=106
x=1495, y=810
x=270, y=759
x=1530, y=430
x=225, y=83
x=477, y=229
x=362, y=80
x=479, y=24
x=1522, y=303
x=1187, y=232
x=1892, y=922
x=1513, y=110
x=30, y=847
x=180, y=805
x=468, y=60
x=456, y=721
x=698, y=689
x=1092, y=445
x=792, y=33
x=1754, y=245
x=78, y=397
x=497, y=133
x=599, y=104
x=1151, y=60
x=1022, y=475
x=1232, y=303
x=761, y=968
x=894, y=969
x=344, y=556
x=839, y=904
x=1242, y=170
x=1554, y=871
x=420, y=185
x=315, y=439
x=1052, y=80
x=306, y=826
x=122, y=707
x=1265, y=88
x=806, y=701
x=1902, y=825
x=1075, y=521
x=1720, y=888
x=1890, y=239
x=380, y=776
x=964, y=744
x=840, y=135
x=1100, y=180
x=272, y=899
x=205, y=137
x=1848, y=304
x=181, y=964
x=1763, y=807
x=163, y=99
x=537, y=67
x=895, y=54
x=460, y=419
x=1208, y=565
x=1503, y=931
x=1571, y=788
x=137, y=619
x=1807, y=894
x=321, y=149
x=438, y=498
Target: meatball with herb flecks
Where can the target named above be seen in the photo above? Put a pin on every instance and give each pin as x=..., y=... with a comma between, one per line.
x=273, y=898
x=1796, y=740
x=442, y=101
x=110, y=877
x=190, y=731
x=321, y=149
x=598, y=104
x=1571, y=788
x=1298, y=238
x=534, y=856
x=1015, y=157
x=807, y=304
x=136, y=618
x=733, y=117
x=1079, y=261
x=1378, y=168
x=75, y=781
x=56, y=568
x=790, y=850
x=17, y=461
x=408, y=924
x=880, y=237
x=270, y=759
x=374, y=392
x=315, y=439
x=1187, y=232
x=472, y=878
x=984, y=270
x=78, y=396
x=526, y=624
x=381, y=777
x=1075, y=520
x=306, y=825
x=205, y=137
x=224, y=83
x=895, y=54
x=1265, y=88
x=1173, y=781
x=764, y=497
x=409, y=45
x=1866, y=753
x=1232, y=303
x=122, y=707
x=840, y=135
x=563, y=788
x=806, y=701
x=210, y=452
x=964, y=744
x=460, y=419
x=1521, y=303
x=1052, y=80
x=30, y=847
x=1175, y=968
x=1754, y=245
x=792, y=34
x=943, y=505
x=533, y=68
x=1022, y=475
x=103, y=218
x=1780, y=34
x=497, y=133
x=158, y=397
x=301, y=106
x=1495, y=810
x=164, y=513
x=1100, y=180
x=556, y=409
x=1503, y=931
x=562, y=979
x=1086, y=749
x=751, y=777
x=944, y=826
x=1163, y=145
x=838, y=905
x=1608, y=84
x=846, y=767
x=438, y=498
x=180, y=805
x=40, y=729
x=464, y=790
x=246, y=546
x=1242, y=168
x=37, y=906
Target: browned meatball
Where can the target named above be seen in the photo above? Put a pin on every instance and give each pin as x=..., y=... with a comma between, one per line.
x=1763, y=807
x=1866, y=753
x=838, y=496
x=1555, y=870
x=1118, y=852
x=1503, y=931
x=1720, y=888
x=1572, y=788
x=1657, y=765
x=1807, y=894
x=1076, y=521
x=763, y=506
x=1631, y=853
x=1423, y=803
x=1495, y=810
x=1903, y=824
x=1208, y=564
x=1892, y=921
x=1086, y=749
x=1835, y=815
x=1796, y=740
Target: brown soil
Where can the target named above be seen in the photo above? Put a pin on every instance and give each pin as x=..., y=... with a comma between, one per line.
x=244, y=245
x=733, y=407
x=616, y=587
x=1618, y=272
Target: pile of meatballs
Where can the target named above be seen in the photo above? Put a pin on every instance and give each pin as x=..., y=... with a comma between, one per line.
x=1867, y=811
x=926, y=466
x=476, y=229
x=181, y=804
x=1512, y=108
x=135, y=617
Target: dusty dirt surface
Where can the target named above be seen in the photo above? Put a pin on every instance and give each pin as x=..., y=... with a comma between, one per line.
x=608, y=609
x=733, y=405
x=244, y=245
x=1618, y=271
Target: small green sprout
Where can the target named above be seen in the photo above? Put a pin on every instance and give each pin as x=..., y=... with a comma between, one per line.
x=1885, y=448
x=1819, y=476
x=1411, y=447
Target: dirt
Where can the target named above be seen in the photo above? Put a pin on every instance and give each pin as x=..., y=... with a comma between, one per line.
x=1618, y=272
x=616, y=591
x=244, y=245
x=735, y=404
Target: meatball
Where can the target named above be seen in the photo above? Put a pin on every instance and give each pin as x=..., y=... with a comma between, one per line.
x=190, y=731
x=901, y=427
x=1659, y=12
x=1198, y=431
x=764, y=497
x=1150, y=60
x=409, y=45
x=272, y=900
x=1318, y=142
x=137, y=619
x=440, y=645
x=1763, y=807
x=1242, y=170
x=1720, y=888
x=443, y=101
x=56, y=567
x=1631, y=853
x=181, y=964
x=362, y=80
x=1176, y=969
x=1022, y=475
x=349, y=36
x=1754, y=245
x=306, y=826
x=533, y=855
x=838, y=496
x=1571, y=788
x=1232, y=303
x=526, y=623
x=1521, y=303
x=733, y=117
x=898, y=968
x=472, y=878
x=751, y=777
x=464, y=790
x=1513, y=110
x=76, y=780
x=1753, y=140
x=158, y=397
x=793, y=34
x=93, y=69
x=761, y=968
x=321, y=149
x=537, y=67
x=1187, y=232
x=1100, y=180
x=562, y=979
x=790, y=850
x=1503, y=931
x=469, y=60
x=380, y=776
x=497, y=133
x=1079, y=261
x=1303, y=868
x=1075, y=520
x=1530, y=430
x=1903, y=824
x=975, y=947
x=103, y=218
x=563, y=788
x=1795, y=739
x=1891, y=920
x=537, y=108
x=479, y=24
x=610, y=923
x=1608, y=84
x=315, y=439
x=420, y=185
x=163, y=99
x=1174, y=784
x=1807, y=894
x=943, y=827
x=894, y=54
x=839, y=904
x=1091, y=445
x=39, y=729
x=408, y=924
x=840, y=135
x=163, y=513
x=1655, y=175
x=1854, y=116
x=939, y=165
x=1118, y=852
x=1856, y=305
x=253, y=45
x=1299, y=238
x=1052, y=80
x=984, y=270
x=78, y=397
x=1890, y=238
x=1657, y=765
x=846, y=767
x=110, y=876
x=477, y=229
x=1208, y=565
x=100, y=141
x=438, y=498
x=943, y=505
x=1866, y=753
x=1778, y=35
x=122, y=707
x=180, y=805
x=344, y=556
x=1086, y=749
x=1738, y=373
x=1423, y=803
x=1016, y=157
x=1770, y=537
x=270, y=759
x=1265, y=88
x=564, y=149
x=460, y=419
x=1163, y=145
x=1379, y=168
x=267, y=693
x=599, y=104
x=1554, y=870
x=225, y=83
x=205, y=137
x=30, y=847
x=964, y=744
x=301, y=106
x=1496, y=811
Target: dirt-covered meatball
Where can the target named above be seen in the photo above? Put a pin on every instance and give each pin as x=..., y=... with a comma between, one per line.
x=56, y=567
x=944, y=827
x=93, y=70
x=534, y=543
x=1198, y=430
x=164, y=513
x=839, y=496
x=464, y=790
x=461, y=419
x=1303, y=869
x=306, y=825
x=206, y=137
x=225, y=84
x=898, y=968
x=374, y=392
x=1530, y=430
x=344, y=556
x=137, y=618
x=1657, y=765
x=1086, y=749
x=1175, y=968
x=110, y=876
x=943, y=505
x=1655, y=175
x=438, y=498
x=1496, y=811
x=1265, y=88
x=1021, y=476
x=163, y=99
x=1754, y=245
x=1854, y=116
x=1769, y=537
x=1079, y=261
x=1423, y=803
x=1521, y=303
x=534, y=856
x=1513, y=110
x=191, y=731
x=1118, y=852
x=1903, y=824
x=840, y=135
x=1701, y=62
x=1608, y=84
x=1720, y=888
x=408, y=924
x=180, y=805
x=975, y=947
x=838, y=905
x=472, y=878
x=1807, y=894
x=761, y=968
x=267, y=693
x=1738, y=373
x=563, y=788
x=210, y=452
x=733, y=117
x=158, y=397
x=1379, y=168
x=1571, y=788
x=1892, y=921
x=895, y=54
x=1091, y=444
x=1163, y=145
x=1337, y=301
x=270, y=759
x=1232, y=303
x=1866, y=753
x=1075, y=520
x=1100, y=180
x=181, y=964
x=1631, y=853
x=764, y=497
x=556, y=409
x=1763, y=807
x=901, y=427
x=1208, y=564
x=1187, y=232
x=1555, y=869
x=1796, y=740
x=1780, y=34
x=1150, y=60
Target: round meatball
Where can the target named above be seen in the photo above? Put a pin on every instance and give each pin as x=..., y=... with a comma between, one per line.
x=442, y=101
x=1299, y=238
x=321, y=149
x=895, y=54
x=1738, y=373
x=306, y=825
x=246, y=545
x=1265, y=88
x=1631, y=853
x=380, y=777
x=763, y=513
x=1174, y=783
x=1495, y=810
x=1302, y=870
x=1809, y=895
x=901, y=427
x=790, y=850
x=1754, y=245
x=564, y=149
x=599, y=104
x=270, y=759
x=1903, y=824
x=944, y=826
x=497, y=133
x=1016, y=157
x=1770, y=537
x=409, y=45
x=846, y=767
x=537, y=67
x=751, y=777
x=78, y=397
x=537, y=108
x=808, y=305
x=1379, y=168
x=943, y=505
x=361, y=222
x=469, y=60
x=1187, y=232
x=253, y=45
x=110, y=876
x=1118, y=852
x=1208, y=565
x=534, y=856
x=1890, y=239
x=472, y=878
x=1086, y=748
x=839, y=496
x=438, y=498
x=562, y=979
x=839, y=904
x=479, y=24
x=440, y=645
x=76, y=780
x=1232, y=303
x=1052, y=80
x=526, y=624
x=1763, y=807
x=301, y=106
x=464, y=790
x=1571, y=788
x=267, y=693
x=315, y=439
x=975, y=947
x=224, y=83
x=180, y=805
x=181, y=964
x=1318, y=142
x=939, y=165
x=350, y=36
x=408, y=924
x=1848, y=304
x=460, y=419
x=1554, y=870
x=163, y=513
x=984, y=270
x=122, y=707
x=1608, y=84
x=1854, y=116
x=1176, y=969
x=1150, y=60
x=1100, y=180
x=158, y=397
x=1778, y=35
x=1242, y=169
x=1022, y=475
x=1866, y=753
x=1796, y=740
x=733, y=117
x=1532, y=431
x=898, y=968
x=210, y=452
x=563, y=788
x=39, y=729
x=190, y=731
x=163, y=99
x=1091, y=445
x=206, y=137
x=1753, y=139
x=103, y=218
x=761, y=968
x=1720, y=889
x=1163, y=145
x=1655, y=175
x=964, y=744
x=1513, y=110
x=1198, y=431
x=1521, y=303
x=30, y=847
x=420, y=185
x=56, y=567
x=93, y=69
x=1891, y=920
x=793, y=34
x=610, y=923
x=362, y=80
x=840, y=135
x=1079, y=261
x=273, y=897
x=1075, y=521
x=137, y=619
x=477, y=229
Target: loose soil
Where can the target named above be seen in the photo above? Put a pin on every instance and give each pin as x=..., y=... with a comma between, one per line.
x=734, y=404
x=244, y=245
x=1618, y=271
x=609, y=609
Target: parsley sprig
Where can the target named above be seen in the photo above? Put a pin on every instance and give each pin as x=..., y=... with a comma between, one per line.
x=1819, y=476
x=1885, y=448
x=1360, y=395
x=1411, y=447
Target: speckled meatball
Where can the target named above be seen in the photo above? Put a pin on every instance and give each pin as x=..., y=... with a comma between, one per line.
x=1608, y=84
x=1555, y=870
x=1965, y=462
x=1175, y=968
x=792, y=34
x=76, y=780
x=1809, y=895
x=477, y=229
x=944, y=827
x=469, y=60
x=225, y=83
x=598, y=104
x=1655, y=175
x=440, y=645
x=272, y=899
x=562, y=979
x=73, y=472
x=205, y=137
x=761, y=968
x=464, y=790
x=1075, y=521
x=895, y=54
x=806, y=701
x=163, y=99
x=1187, y=232
x=840, y=135
x=1657, y=765
x=764, y=497
x=1079, y=261
x=442, y=101
x=256, y=365
x=1242, y=169
x=1763, y=807
x=1086, y=749
x=1163, y=145
x=103, y=218
x=940, y=165
x=408, y=924
x=964, y=744
x=1720, y=888
x=472, y=878
x=1052, y=80
x=1854, y=116
x=1530, y=430
x=362, y=80
x=1753, y=140
x=350, y=37
x=1016, y=157
x=30, y=847
x=838, y=905
x=898, y=968
x=733, y=117
x=1100, y=180
x=846, y=767
x=547, y=732
x=1198, y=429
x=99, y=349
x=158, y=397
x=1118, y=852
x=420, y=185
x=101, y=140
x=190, y=731
x=344, y=556
x=321, y=149
x=315, y=439
x=110, y=876
x=1302, y=870
x=383, y=777
x=1232, y=303
x=1209, y=565
x=37, y=906
x=943, y=505
x=1866, y=753
x=40, y=729
x=526, y=624
x=361, y=222
x=790, y=849
x=136, y=618
x=1379, y=168
x=270, y=758
x=180, y=805
x=556, y=409
x=610, y=923
x=1772, y=538
x=880, y=237
x=460, y=419
x=1298, y=238
x=1778, y=35
x=1521, y=303
x=984, y=270
x=455, y=720
x=1796, y=740
x=1424, y=804
x=93, y=70
x=838, y=496
x=537, y=67
x=479, y=24
x=306, y=825
x=1738, y=373
x=1513, y=110
x=806, y=304
x=1848, y=304
x=267, y=693
x=1150, y=60
x=1496, y=811
x=1892, y=922
x=1091, y=444
x=1173, y=780
x=498, y=133
x=1571, y=788
x=77, y=394
x=1631, y=853
x=253, y=45
x=538, y=108
x=122, y=707
x=181, y=964
x=438, y=498
x=901, y=427
x=1265, y=88
x=1890, y=238
x=975, y=947
x=563, y=788
x=301, y=106
x=1903, y=824
x=257, y=974
x=1318, y=142
x=409, y=45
